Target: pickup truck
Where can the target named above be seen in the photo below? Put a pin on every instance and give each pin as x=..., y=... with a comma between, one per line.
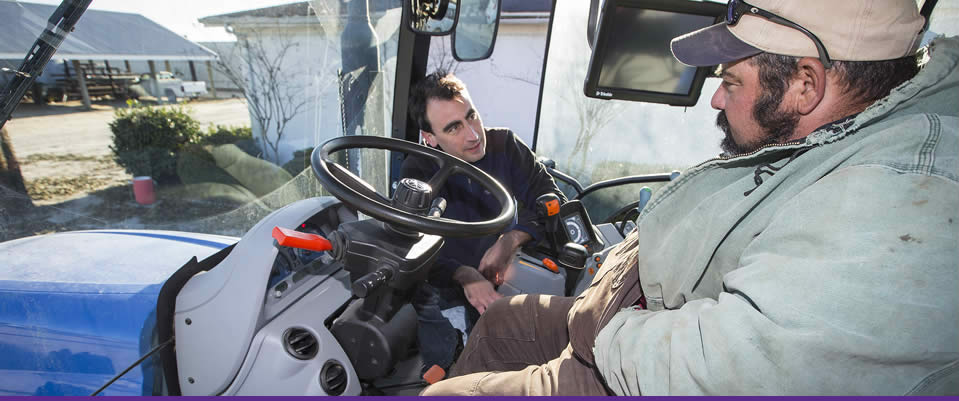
x=170, y=87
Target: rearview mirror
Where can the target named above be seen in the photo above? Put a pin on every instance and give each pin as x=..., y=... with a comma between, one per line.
x=475, y=32
x=432, y=17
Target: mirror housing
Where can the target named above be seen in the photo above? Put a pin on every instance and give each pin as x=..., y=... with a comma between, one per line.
x=432, y=17
x=475, y=32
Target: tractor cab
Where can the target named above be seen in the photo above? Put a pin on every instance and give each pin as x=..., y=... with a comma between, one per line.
x=279, y=258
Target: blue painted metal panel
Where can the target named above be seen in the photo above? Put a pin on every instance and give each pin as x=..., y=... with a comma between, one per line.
x=71, y=339
x=78, y=308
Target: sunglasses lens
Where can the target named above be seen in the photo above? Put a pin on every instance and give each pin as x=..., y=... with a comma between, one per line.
x=731, y=11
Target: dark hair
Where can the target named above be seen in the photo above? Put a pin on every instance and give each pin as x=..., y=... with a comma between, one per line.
x=438, y=85
x=865, y=81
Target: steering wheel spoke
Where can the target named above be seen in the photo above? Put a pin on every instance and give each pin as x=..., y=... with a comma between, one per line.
x=351, y=180
x=439, y=179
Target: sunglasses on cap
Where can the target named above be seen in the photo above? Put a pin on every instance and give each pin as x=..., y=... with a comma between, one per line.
x=737, y=8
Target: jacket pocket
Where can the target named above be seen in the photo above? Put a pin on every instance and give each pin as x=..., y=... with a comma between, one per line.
x=616, y=289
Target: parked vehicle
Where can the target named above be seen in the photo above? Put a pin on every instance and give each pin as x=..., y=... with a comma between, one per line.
x=168, y=86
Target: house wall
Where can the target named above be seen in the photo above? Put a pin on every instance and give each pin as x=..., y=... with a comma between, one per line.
x=310, y=71
x=504, y=87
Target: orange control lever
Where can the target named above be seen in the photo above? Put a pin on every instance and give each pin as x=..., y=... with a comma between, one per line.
x=552, y=207
x=551, y=265
x=434, y=374
x=296, y=239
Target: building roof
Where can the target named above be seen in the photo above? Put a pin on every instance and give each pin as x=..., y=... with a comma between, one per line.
x=98, y=35
x=293, y=10
x=298, y=9
x=303, y=9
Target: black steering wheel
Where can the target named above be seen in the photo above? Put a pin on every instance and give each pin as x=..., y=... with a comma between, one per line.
x=360, y=195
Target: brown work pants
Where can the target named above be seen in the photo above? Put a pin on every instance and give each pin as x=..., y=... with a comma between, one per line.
x=540, y=344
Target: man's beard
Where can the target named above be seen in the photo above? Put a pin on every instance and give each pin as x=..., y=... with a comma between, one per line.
x=776, y=125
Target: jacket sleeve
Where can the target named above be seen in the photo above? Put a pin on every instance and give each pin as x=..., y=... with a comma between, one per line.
x=844, y=292
x=530, y=180
x=441, y=274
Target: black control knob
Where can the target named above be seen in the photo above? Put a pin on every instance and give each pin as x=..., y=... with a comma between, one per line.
x=370, y=282
x=413, y=195
x=547, y=208
x=548, y=205
x=573, y=256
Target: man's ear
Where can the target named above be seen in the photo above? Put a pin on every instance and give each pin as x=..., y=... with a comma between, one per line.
x=811, y=79
x=428, y=138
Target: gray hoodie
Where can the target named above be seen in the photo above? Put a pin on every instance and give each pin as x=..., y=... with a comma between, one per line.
x=838, y=273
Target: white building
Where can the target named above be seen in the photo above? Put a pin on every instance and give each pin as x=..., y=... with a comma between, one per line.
x=505, y=87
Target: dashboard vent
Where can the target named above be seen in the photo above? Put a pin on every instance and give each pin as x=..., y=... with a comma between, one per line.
x=333, y=378
x=300, y=343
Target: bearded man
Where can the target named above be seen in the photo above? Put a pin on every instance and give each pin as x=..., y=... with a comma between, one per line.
x=818, y=255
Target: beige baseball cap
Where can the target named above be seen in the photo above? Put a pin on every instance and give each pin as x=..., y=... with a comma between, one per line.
x=850, y=30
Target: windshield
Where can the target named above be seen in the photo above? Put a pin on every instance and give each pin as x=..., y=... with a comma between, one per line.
x=201, y=137
x=595, y=140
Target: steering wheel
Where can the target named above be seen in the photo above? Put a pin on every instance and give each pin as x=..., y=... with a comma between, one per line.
x=360, y=195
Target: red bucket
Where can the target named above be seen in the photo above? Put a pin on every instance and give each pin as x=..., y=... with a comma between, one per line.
x=144, y=190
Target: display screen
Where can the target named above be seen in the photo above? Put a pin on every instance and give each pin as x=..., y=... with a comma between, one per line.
x=632, y=59
x=576, y=229
x=641, y=60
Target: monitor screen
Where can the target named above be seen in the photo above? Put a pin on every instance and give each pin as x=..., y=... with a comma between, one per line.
x=632, y=60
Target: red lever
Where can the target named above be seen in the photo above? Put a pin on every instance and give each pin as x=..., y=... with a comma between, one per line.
x=551, y=265
x=434, y=374
x=296, y=239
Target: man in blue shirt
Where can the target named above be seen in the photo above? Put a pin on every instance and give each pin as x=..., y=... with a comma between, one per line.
x=448, y=120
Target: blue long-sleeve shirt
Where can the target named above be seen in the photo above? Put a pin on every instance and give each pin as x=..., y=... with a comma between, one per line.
x=511, y=163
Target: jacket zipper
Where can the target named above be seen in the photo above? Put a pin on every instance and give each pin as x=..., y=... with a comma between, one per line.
x=767, y=146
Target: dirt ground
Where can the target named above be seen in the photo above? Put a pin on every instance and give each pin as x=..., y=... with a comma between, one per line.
x=64, y=150
x=70, y=173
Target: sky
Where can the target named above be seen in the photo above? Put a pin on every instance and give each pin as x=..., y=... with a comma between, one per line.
x=181, y=16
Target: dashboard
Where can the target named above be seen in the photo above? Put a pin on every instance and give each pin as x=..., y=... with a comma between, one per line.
x=574, y=226
x=578, y=227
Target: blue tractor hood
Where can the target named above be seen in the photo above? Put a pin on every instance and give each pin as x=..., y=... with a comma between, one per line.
x=77, y=308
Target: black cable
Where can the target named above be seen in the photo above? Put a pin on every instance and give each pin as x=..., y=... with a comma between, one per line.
x=143, y=358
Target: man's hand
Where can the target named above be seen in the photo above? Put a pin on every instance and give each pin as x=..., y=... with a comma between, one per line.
x=479, y=291
x=499, y=256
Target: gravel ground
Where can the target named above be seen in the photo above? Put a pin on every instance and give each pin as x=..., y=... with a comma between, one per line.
x=71, y=176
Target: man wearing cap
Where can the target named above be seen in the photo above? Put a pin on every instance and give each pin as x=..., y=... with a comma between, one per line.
x=818, y=256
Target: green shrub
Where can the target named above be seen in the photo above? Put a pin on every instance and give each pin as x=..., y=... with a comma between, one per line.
x=242, y=137
x=146, y=140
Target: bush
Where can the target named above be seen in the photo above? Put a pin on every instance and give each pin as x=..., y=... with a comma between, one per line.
x=146, y=140
x=242, y=137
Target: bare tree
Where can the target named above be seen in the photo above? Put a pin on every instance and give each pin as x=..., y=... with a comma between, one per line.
x=441, y=56
x=531, y=76
x=593, y=115
x=266, y=85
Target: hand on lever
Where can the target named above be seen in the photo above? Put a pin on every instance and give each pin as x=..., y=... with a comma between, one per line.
x=479, y=291
x=499, y=257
